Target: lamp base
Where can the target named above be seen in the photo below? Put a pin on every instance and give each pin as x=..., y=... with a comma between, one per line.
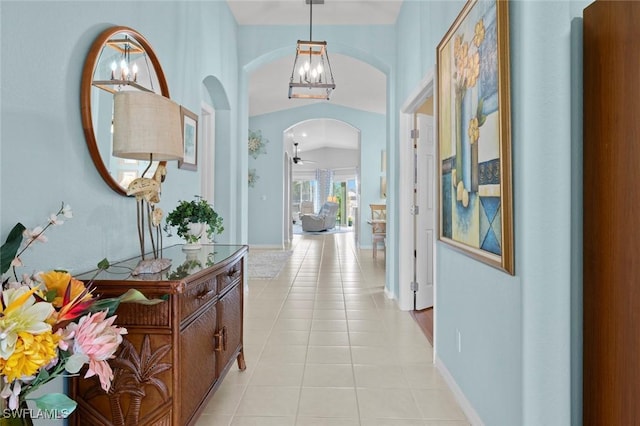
x=151, y=266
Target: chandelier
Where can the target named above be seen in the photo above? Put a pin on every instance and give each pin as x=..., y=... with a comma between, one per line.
x=311, y=77
x=124, y=53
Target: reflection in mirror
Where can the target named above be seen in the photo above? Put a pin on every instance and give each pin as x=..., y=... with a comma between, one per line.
x=120, y=59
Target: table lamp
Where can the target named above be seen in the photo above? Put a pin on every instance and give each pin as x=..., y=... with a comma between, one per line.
x=147, y=126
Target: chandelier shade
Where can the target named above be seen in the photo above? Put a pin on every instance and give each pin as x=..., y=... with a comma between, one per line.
x=311, y=77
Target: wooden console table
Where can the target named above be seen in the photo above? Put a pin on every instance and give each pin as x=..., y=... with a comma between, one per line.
x=175, y=353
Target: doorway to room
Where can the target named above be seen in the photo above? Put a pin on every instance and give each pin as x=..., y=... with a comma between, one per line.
x=324, y=158
x=418, y=190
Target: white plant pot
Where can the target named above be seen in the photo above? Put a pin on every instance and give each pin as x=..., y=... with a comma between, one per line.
x=196, y=230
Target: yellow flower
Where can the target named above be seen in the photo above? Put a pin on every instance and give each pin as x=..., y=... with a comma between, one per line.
x=474, y=131
x=32, y=352
x=479, y=33
x=58, y=282
x=473, y=69
x=21, y=315
x=457, y=47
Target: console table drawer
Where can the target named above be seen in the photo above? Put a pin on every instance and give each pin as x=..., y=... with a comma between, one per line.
x=230, y=276
x=197, y=295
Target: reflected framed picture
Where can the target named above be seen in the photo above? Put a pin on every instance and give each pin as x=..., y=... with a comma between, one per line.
x=474, y=135
x=189, y=140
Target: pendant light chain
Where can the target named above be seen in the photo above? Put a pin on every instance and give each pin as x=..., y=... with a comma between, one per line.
x=310, y=19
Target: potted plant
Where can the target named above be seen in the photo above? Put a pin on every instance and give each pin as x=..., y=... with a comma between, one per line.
x=192, y=219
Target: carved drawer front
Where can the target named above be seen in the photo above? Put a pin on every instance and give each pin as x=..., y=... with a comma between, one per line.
x=198, y=294
x=229, y=276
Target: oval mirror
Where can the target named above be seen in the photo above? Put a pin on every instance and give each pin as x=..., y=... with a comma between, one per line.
x=120, y=59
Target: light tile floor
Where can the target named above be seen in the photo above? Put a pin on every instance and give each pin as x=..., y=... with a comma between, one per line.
x=324, y=346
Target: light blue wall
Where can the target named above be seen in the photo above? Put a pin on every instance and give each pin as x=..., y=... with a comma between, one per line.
x=520, y=335
x=265, y=199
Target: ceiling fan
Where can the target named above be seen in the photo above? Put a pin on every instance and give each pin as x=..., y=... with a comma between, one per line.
x=296, y=158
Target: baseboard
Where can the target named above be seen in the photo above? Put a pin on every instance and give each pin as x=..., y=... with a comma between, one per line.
x=389, y=294
x=462, y=400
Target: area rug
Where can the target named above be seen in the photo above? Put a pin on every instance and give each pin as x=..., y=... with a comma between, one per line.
x=266, y=264
x=297, y=229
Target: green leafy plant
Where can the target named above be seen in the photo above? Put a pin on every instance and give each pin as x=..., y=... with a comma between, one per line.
x=194, y=211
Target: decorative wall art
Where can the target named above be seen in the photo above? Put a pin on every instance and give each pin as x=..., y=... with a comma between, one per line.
x=257, y=143
x=475, y=135
x=190, y=140
x=253, y=178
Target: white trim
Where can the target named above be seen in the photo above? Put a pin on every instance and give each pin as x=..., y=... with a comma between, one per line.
x=207, y=153
x=461, y=399
x=424, y=90
x=388, y=293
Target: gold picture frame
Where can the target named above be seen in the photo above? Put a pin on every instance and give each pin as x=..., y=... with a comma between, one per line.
x=189, y=140
x=474, y=135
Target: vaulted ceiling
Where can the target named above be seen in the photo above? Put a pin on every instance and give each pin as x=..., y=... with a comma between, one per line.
x=358, y=84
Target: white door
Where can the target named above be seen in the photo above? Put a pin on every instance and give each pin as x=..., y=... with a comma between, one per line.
x=425, y=219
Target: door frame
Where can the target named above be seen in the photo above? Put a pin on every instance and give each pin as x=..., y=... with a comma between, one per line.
x=424, y=90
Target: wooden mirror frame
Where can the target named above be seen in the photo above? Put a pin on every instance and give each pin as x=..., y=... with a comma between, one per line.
x=85, y=94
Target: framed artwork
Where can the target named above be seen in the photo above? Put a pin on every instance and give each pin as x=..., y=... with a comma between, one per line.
x=189, y=140
x=474, y=134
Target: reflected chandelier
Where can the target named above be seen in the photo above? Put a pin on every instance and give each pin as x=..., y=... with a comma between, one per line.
x=311, y=77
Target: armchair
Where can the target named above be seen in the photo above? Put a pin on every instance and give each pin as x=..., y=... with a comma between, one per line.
x=325, y=219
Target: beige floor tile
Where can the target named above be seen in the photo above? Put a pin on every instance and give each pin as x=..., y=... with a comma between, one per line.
x=378, y=355
x=392, y=422
x=387, y=403
x=296, y=313
x=324, y=304
x=379, y=376
x=328, y=355
x=365, y=325
x=423, y=376
x=328, y=375
x=330, y=297
x=263, y=421
x=294, y=354
x=214, y=420
x=277, y=374
x=226, y=399
x=288, y=337
x=328, y=325
x=328, y=402
x=328, y=338
x=295, y=324
x=329, y=314
x=369, y=338
x=437, y=404
x=327, y=421
x=269, y=401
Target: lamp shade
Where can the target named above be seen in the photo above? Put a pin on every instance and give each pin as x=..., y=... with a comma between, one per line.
x=146, y=124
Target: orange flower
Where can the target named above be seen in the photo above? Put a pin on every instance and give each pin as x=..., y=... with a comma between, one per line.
x=59, y=281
